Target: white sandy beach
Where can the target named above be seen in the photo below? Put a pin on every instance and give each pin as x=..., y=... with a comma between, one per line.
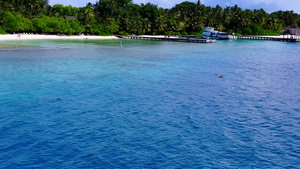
x=42, y=37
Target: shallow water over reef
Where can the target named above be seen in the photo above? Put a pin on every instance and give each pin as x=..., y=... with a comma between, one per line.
x=93, y=104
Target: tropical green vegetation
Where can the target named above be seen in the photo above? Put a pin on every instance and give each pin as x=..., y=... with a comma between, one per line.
x=107, y=17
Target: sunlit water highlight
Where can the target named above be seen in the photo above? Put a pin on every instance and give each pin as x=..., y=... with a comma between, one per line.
x=93, y=104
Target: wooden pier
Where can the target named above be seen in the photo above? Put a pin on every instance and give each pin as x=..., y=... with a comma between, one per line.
x=172, y=39
x=197, y=39
x=282, y=39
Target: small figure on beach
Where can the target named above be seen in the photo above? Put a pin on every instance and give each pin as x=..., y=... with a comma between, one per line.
x=19, y=36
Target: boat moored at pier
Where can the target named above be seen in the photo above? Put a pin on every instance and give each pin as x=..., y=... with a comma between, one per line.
x=211, y=33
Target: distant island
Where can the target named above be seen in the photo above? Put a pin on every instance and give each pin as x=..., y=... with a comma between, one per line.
x=123, y=17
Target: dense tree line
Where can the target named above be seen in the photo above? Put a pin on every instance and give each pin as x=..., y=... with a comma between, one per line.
x=107, y=17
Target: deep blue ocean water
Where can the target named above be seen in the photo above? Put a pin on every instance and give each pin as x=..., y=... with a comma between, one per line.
x=93, y=104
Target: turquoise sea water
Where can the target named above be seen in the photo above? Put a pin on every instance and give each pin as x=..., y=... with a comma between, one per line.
x=92, y=104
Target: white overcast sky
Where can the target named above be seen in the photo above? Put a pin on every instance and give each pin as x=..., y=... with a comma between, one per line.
x=267, y=5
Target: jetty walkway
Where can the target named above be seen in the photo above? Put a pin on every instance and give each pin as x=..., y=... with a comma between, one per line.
x=282, y=39
x=288, y=38
x=172, y=39
x=198, y=39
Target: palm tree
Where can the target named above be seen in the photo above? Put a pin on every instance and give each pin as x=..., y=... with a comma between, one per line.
x=198, y=24
x=161, y=23
x=146, y=26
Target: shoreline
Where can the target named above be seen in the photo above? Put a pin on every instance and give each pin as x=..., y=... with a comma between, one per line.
x=11, y=37
x=54, y=37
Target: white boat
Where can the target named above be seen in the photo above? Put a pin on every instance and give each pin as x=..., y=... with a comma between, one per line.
x=211, y=33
